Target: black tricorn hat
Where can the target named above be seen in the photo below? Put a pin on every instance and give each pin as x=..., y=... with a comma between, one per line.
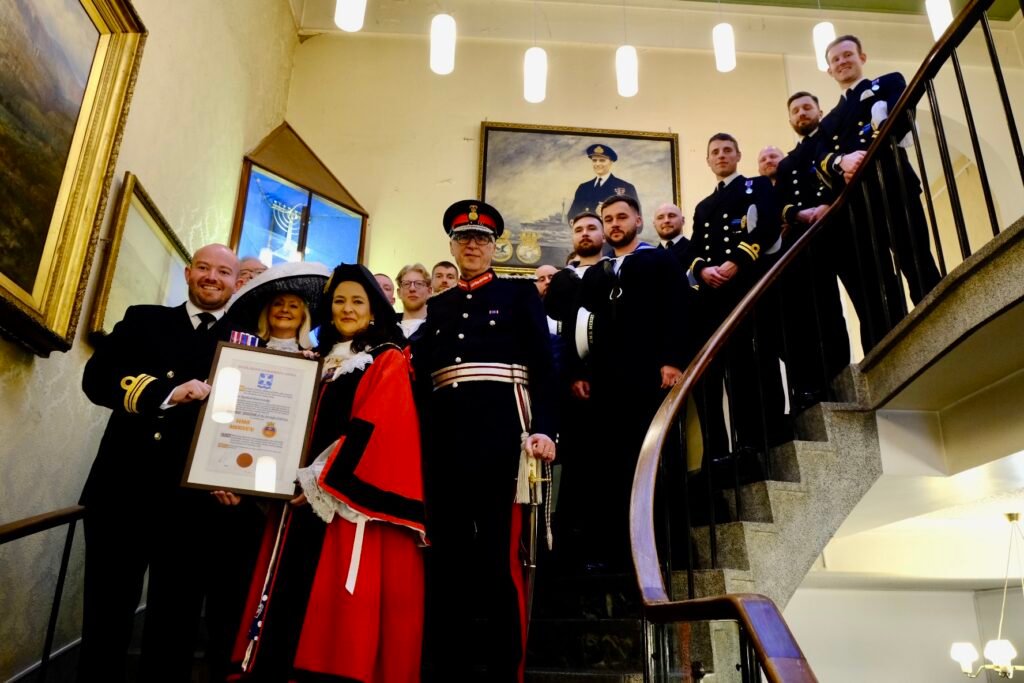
x=473, y=215
x=380, y=307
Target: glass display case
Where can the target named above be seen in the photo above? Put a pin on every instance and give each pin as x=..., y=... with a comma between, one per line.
x=291, y=208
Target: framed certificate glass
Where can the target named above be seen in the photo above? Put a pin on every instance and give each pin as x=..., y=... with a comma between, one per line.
x=253, y=430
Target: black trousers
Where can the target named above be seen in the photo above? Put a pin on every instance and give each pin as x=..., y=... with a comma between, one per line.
x=474, y=571
x=815, y=343
x=747, y=367
x=193, y=549
x=867, y=238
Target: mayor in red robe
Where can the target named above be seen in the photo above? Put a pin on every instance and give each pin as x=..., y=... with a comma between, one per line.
x=338, y=591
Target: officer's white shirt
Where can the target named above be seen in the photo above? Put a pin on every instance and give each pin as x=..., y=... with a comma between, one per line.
x=193, y=317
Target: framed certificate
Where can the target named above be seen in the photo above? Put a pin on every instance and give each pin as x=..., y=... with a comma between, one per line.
x=252, y=433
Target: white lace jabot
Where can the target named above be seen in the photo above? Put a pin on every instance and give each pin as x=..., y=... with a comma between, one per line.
x=278, y=344
x=341, y=361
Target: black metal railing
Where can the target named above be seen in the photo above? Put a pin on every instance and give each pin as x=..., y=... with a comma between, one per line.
x=889, y=248
x=33, y=525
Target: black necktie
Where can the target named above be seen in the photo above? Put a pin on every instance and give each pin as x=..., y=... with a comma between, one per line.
x=206, y=319
x=721, y=185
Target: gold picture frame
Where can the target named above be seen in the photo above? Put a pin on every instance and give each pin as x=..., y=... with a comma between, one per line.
x=144, y=262
x=536, y=205
x=49, y=245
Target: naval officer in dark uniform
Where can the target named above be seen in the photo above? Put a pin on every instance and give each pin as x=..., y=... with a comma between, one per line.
x=484, y=355
x=668, y=223
x=846, y=133
x=733, y=229
x=629, y=331
x=816, y=343
x=151, y=372
x=604, y=184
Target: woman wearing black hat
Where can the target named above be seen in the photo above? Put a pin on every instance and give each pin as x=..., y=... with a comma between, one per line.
x=339, y=593
x=279, y=306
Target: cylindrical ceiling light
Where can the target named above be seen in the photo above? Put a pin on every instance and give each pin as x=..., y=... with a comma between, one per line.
x=535, y=75
x=349, y=14
x=627, y=71
x=824, y=33
x=725, y=47
x=442, y=44
x=940, y=16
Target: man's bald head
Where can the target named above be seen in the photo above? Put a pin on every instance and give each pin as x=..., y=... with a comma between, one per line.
x=668, y=221
x=212, y=276
x=768, y=161
x=542, y=278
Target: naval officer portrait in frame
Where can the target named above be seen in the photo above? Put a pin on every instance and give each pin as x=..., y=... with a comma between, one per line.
x=604, y=184
x=533, y=174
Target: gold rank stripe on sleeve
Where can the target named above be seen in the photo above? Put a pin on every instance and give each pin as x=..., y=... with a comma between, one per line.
x=825, y=163
x=786, y=208
x=754, y=250
x=133, y=388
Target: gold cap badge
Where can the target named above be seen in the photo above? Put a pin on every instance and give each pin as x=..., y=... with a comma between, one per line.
x=473, y=215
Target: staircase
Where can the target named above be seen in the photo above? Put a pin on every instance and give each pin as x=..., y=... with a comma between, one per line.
x=589, y=628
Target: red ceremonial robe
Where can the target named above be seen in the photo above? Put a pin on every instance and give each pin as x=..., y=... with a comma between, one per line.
x=344, y=600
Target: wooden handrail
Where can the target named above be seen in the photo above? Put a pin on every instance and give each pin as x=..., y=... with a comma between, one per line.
x=777, y=650
x=657, y=605
x=12, y=531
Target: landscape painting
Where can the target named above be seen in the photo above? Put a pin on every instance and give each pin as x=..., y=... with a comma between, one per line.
x=46, y=49
x=67, y=73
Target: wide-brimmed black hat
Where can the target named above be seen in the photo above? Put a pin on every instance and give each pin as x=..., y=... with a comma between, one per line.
x=305, y=280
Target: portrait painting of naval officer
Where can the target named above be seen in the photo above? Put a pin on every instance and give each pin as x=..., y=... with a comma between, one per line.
x=604, y=184
x=532, y=175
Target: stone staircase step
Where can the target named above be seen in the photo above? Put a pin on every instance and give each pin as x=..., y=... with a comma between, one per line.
x=760, y=500
x=710, y=582
x=731, y=541
x=613, y=645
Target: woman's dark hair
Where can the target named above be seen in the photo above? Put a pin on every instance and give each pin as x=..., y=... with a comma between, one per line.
x=383, y=327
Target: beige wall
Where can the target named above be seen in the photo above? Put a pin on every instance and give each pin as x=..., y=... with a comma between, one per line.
x=406, y=141
x=213, y=82
x=853, y=636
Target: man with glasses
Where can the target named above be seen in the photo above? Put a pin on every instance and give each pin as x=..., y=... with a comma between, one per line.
x=414, y=290
x=483, y=364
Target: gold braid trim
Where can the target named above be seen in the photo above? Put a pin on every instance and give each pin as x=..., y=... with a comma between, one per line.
x=133, y=387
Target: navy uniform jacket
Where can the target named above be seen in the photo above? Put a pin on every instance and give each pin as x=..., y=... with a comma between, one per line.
x=721, y=229
x=487, y=320
x=680, y=250
x=854, y=124
x=143, y=450
x=638, y=319
x=797, y=184
x=588, y=196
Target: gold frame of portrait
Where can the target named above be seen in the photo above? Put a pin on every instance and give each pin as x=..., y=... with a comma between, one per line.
x=131, y=191
x=44, y=319
x=486, y=126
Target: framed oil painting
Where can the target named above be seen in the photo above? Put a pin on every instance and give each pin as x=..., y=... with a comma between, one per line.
x=144, y=262
x=538, y=177
x=69, y=71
